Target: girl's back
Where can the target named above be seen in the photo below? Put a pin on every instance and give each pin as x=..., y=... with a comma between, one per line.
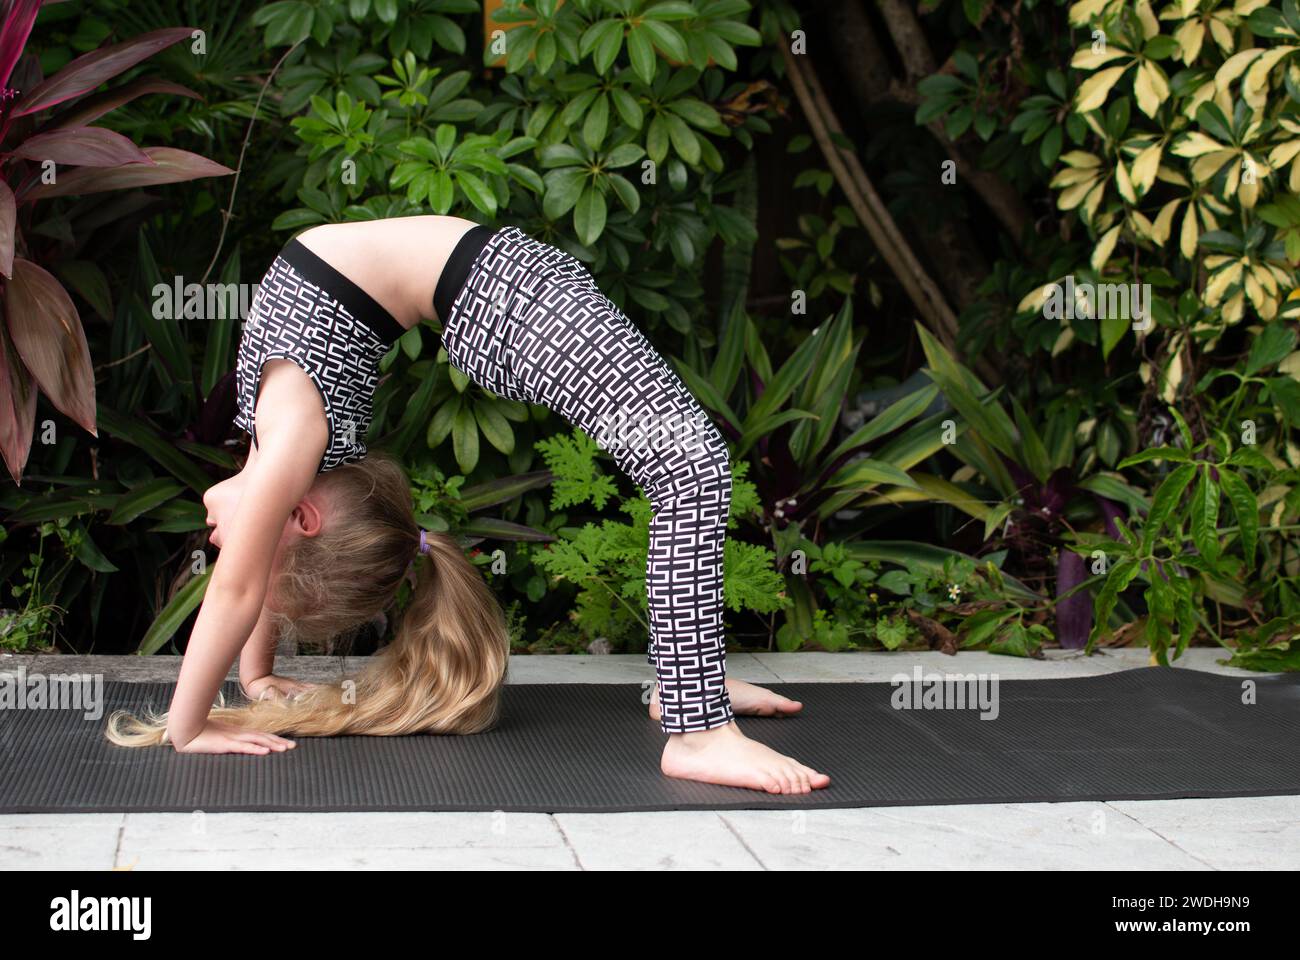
x=396, y=260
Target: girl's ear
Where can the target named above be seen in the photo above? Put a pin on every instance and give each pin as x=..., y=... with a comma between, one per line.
x=308, y=517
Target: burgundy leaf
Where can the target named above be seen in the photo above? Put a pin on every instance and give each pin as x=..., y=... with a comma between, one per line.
x=91, y=69
x=8, y=219
x=170, y=165
x=17, y=408
x=92, y=108
x=15, y=30
x=82, y=147
x=48, y=336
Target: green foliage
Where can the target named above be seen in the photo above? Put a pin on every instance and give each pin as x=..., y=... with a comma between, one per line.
x=28, y=625
x=607, y=561
x=571, y=458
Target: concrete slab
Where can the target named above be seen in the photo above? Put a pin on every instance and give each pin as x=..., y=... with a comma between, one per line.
x=335, y=841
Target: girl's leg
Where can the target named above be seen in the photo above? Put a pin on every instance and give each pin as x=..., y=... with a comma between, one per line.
x=572, y=350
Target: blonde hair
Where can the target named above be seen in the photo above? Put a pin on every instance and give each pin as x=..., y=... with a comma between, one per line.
x=443, y=668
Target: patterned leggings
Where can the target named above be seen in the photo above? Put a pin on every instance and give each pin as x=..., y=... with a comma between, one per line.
x=530, y=324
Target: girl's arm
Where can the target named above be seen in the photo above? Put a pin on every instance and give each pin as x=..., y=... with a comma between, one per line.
x=257, y=658
x=292, y=439
x=257, y=665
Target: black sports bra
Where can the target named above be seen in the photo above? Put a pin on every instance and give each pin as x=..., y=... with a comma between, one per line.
x=308, y=312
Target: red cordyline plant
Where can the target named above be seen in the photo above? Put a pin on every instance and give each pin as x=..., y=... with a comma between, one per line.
x=42, y=343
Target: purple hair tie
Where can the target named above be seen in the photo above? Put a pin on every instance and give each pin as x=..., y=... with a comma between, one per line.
x=424, y=544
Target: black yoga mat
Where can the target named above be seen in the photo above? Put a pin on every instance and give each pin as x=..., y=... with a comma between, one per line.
x=1153, y=733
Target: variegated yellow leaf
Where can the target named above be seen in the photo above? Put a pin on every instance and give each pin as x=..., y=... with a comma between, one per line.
x=1232, y=310
x=1235, y=65
x=1141, y=225
x=1204, y=92
x=1290, y=366
x=1252, y=173
x=1085, y=58
x=1173, y=376
x=1105, y=247
x=1093, y=200
x=1150, y=88
x=1205, y=167
x=1265, y=280
x=1254, y=291
x=1073, y=195
x=1244, y=8
x=1221, y=281
x=1283, y=153
x=1164, y=220
x=1081, y=158
x=1065, y=338
x=1122, y=182
x=1145, y=167
x=1093, y=91
x=1035, y=298
x=1215, y=204
x=1215, y=260
x=1234, y=173
x=1223, y=99
x=1222, y=34
x=1189, y=235
x=1190, y=36
x=1150, y=27
x=1068, y=177
x=1255, y=83
x=1085, y=10
x=1194, y=144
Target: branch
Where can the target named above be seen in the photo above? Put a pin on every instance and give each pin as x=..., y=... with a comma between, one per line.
x=866, y=203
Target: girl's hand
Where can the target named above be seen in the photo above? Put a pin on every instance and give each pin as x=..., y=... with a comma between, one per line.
x=271, y=686
x=217, y=737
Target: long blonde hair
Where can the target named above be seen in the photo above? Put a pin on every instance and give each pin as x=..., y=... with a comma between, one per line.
x=443, y=669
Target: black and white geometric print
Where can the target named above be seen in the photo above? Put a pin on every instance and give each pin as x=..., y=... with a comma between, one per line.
x=531, y=324
x=316, y=325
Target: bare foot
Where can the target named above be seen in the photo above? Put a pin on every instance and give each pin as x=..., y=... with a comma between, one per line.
x=746, y=699
x=726, y=756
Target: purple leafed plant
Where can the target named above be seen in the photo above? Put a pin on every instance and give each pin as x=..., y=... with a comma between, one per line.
x=45, y=126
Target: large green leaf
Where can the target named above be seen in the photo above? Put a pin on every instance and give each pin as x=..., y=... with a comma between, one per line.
x=960, y=387
x=169, y=620
x=503, y=489
x=892, y=417
x=495, y=529
x=136, y=433
x=144, y=497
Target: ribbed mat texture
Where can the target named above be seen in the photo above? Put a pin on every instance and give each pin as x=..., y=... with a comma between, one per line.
x=1153, y=733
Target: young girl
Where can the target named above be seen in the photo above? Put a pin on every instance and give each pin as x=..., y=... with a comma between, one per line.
x=317, y=535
